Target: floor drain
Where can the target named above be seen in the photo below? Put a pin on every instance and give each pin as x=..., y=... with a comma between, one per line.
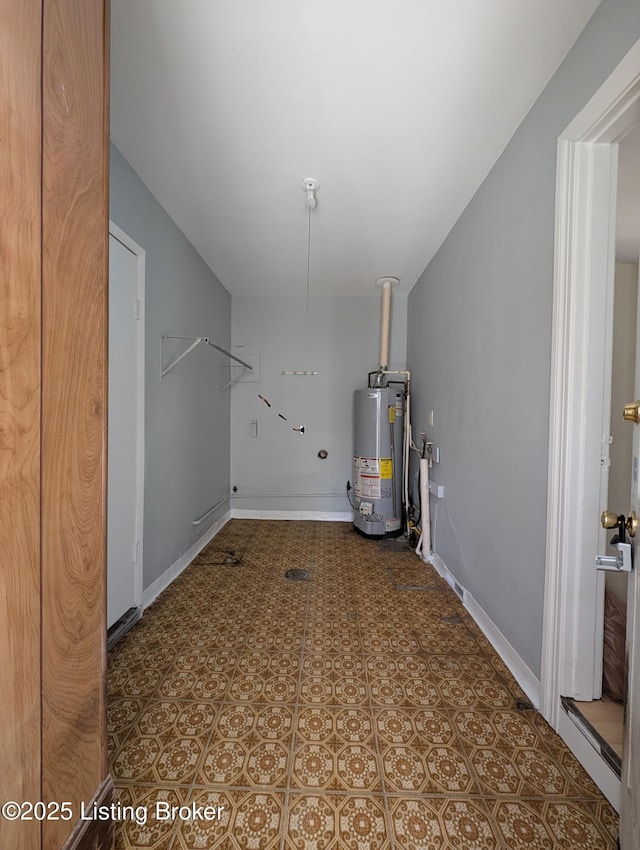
x=524, y=705
x=297, y=575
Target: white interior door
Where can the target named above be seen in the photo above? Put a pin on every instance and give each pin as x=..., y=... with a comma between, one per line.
x=630, y=787
x=123, y=542
x=587, y=169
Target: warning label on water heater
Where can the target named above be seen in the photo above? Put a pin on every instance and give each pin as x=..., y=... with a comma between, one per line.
x=368, y=475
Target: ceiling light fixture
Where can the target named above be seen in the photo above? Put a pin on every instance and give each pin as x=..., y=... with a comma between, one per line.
x=309, y=186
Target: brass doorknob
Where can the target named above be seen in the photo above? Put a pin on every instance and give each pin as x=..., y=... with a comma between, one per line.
x=632, y=412
x=609, y=519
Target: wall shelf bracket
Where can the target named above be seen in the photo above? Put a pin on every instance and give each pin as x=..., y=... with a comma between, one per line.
x=195, y=342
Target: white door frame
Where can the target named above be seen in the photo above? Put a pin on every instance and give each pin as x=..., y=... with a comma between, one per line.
x=140, y=255
x=586, y=188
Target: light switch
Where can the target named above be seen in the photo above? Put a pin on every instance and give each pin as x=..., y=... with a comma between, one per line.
x=253, y=429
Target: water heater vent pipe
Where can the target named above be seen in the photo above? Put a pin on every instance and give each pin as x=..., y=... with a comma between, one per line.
x=386, y=283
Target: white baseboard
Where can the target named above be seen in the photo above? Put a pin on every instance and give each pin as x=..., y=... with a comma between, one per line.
x=154, y=590
x=323, y=516
x=575, y=739
x=520, y=671
x=523, y=675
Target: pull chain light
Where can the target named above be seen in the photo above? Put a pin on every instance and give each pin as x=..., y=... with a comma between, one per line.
x=308, y=254
x=309, y=186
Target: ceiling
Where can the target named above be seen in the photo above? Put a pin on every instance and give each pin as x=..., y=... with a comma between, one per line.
x=398, y=107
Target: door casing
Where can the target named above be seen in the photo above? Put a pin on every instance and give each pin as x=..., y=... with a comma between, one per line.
x=586, y=187
x=140, y=254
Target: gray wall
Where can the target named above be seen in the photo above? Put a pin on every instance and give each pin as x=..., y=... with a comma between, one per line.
x=479, y=343
x=339, y=338
x=187, y=416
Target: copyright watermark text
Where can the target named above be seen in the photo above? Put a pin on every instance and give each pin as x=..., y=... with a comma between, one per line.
x=160, y=811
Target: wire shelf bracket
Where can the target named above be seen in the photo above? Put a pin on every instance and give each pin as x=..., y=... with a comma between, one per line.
x=195, y=342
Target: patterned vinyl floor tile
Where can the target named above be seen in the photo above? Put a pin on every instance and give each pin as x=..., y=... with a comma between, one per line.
x=361, y=709
x=142, y=820
x=238, y=820
x=444, y=823
x=121, y=716
x=534, y=823
x=311, y=822
x=329, y=822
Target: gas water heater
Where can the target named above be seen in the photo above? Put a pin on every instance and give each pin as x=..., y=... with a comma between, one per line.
x=378, y=415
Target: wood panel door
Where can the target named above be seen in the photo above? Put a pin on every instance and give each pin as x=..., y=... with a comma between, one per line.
x=20, y=243
x=53, y=324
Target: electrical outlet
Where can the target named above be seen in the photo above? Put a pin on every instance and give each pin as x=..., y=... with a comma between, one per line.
x=436, y=490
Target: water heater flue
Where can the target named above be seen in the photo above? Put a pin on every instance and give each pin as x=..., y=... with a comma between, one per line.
x=387, y=283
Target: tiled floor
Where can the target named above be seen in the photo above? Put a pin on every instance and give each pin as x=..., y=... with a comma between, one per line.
x=360, y=709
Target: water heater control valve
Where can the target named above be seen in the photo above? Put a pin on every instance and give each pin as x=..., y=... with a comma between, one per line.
x=366, y=508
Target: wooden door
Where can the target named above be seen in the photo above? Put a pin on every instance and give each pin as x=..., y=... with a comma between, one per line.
x=53, y=320
x=74, y=405
x=20, y=331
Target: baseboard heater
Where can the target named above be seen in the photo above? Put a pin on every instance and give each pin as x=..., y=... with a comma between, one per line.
x=119, y=629
x=609, y=755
